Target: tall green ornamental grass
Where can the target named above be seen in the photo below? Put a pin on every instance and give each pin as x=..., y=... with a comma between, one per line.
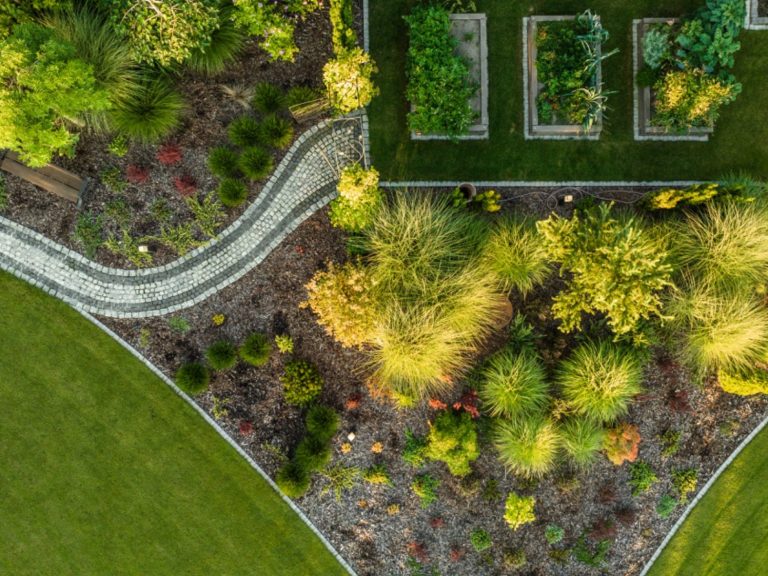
x=109, y=55
x=719, y=330
x=226, y=43
x=514, y=385
x=516, y=254
x=150, y=112
x=582, y=440
x=436, y=301
x=725, y=245
x=527, y=446
x=599, y=380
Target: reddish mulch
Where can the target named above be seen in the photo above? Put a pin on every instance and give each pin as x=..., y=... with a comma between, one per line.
x=597, y=502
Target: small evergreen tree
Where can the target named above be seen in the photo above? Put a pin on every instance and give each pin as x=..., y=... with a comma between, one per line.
x=453, y=439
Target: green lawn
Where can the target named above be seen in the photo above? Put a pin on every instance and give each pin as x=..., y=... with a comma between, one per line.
x=727, y=531
x=106, y=471
x=740, y=141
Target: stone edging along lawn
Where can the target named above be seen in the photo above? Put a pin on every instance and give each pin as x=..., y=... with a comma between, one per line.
x=211, y=422
x=701, y=493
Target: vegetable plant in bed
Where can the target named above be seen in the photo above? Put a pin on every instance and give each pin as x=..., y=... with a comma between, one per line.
x=686, y=68
x=565, y=79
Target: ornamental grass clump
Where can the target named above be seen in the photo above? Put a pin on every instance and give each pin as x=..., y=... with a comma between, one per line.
x=232, y=192
x=221, y=355
x=527, y=446
x=152, y=111
x=244, y=132
x=268, y=98
x=255, y=163
x=599, y=380
x=276, y=131
x=192, y=378
x=516, y=255
x=223, y=162
x=514, y=385
x=256, y=349
x=724, y=246
x=582, y=440
x=225, y=45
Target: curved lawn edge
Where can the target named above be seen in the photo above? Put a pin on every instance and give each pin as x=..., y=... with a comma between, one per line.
x=700, y=495
x=211, y=422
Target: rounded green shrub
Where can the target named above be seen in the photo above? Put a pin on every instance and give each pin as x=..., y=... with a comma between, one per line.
x=150, y=112
x=232, y=192
x=268, y=98
x=276, y=131
x=744, y=383
x=256, y=349
x=527, y=446
x=514, y=385
x=302, y=382
x=223, y=162
x=293, y=479
x=244, y=131
x=221, y=355
x=313, y=452
x=582, y=440
x=322, y=421
x=453, y=439
x=192, y=378
x=600, y=379
x=519, y=510
x=256, y=163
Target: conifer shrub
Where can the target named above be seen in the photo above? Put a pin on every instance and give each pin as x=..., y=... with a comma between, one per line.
x=322, y=422
x=519, y=510
x=302, y=382
x=293, y=479
x=745, y=382
x=452, y=439
x=276, y=131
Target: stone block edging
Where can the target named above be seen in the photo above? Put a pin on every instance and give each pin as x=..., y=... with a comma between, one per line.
x=211, y=422
x=753, y=20
x=538, y=184
x=744, y=443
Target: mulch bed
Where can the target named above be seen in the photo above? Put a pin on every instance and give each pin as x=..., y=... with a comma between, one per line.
x=376, y=542
x=203, y=126
x=762, y=8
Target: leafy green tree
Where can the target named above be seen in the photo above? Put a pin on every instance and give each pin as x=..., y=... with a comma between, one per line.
x=45, y=89
x=617, y=268
x=164, y=32
x=453, y=439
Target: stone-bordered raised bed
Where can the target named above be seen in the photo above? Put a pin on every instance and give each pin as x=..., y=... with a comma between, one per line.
x=757, y=15
x=557, y=130
x=643, y=98
x=470, y=32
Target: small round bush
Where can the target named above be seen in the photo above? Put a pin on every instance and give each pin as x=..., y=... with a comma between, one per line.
x=480, y=540
x=600, y=379
x=268, y=98
x=302, y=382
x=223, y=162
x=313, y=452
x=582, y=440
x=527, y=447
x=256, y=163
x=322, y=421
x=232, y=192
x=519, y=510
x=244, y=132
x=293, y=479
x=276, y=131
x=745, y=382
x=221, y=355
x=256, y=349
x=514, y=385
x=192, y=378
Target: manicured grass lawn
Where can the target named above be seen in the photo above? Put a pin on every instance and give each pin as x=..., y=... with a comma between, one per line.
x=740, y=141
x=106, y=471
x=726, y=533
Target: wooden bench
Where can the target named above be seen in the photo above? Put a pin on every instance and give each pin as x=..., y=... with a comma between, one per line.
x=50, y=178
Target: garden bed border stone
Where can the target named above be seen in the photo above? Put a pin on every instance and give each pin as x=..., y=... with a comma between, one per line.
x=478, y=130
x=754, y=20
x=534, y=130
x=642, y=96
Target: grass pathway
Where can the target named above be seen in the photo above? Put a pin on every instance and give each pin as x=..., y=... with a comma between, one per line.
x=726, y=533
x=104, y=470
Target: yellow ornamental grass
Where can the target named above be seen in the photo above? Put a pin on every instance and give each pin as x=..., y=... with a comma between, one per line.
x=342, y=298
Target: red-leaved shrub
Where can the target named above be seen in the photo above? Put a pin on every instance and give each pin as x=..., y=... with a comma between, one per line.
x=417, y=551
x=353, y=402
x=437, y=522
x=246, y=427
x=622, y=443
x=169, y=154
x=437, y=404
x=185, y=185
x=468, y=403
x=456, y=554
x=136, y=174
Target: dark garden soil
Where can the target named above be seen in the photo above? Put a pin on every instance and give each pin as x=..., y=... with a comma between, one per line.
x=378, y=528
x=209, y=111
x=762, y=8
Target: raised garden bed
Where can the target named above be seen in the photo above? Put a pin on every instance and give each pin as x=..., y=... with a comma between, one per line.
x=557, y=126
x=470, y=32
x=757, y=14
x=643, y=105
